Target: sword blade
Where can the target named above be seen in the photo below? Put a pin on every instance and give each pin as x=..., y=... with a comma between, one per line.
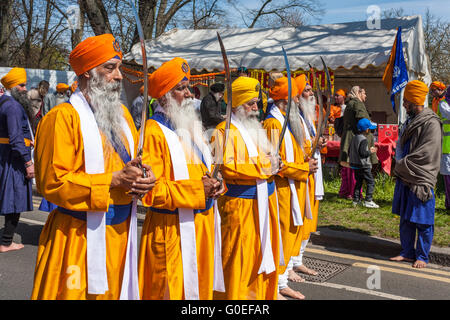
x=320, y=120
x=219, y=155
x=145, y=72
x=288, y=107
x=329, y=95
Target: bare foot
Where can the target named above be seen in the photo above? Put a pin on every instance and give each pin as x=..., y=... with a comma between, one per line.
x=401, y=258
x=292, y=293
x=305, y=270
x=281, y=297
x=11, y=247
x=419, y=264
x=293, y=276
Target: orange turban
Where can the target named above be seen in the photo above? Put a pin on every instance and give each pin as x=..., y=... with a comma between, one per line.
x=243, y=90
x=438, y=85
x=62, y=87
x=341, y=92
x=301, y=82
x=94, y=51
x=14, y=77
x=416, y=92
x=166, y=77
x=74, y=86
x=280, y=89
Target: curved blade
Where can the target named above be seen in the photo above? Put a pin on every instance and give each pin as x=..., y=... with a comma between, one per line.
x=320, y=120
x=219, y=155
x=145, y=72
x=288, y=108
x=330, y=96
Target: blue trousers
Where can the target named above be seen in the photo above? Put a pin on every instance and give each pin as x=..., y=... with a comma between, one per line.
x=408, y=237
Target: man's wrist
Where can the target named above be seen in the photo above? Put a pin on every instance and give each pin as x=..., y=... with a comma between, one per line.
x=28, y=164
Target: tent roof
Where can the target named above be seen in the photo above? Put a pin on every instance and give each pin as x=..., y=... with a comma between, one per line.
x=341, y=45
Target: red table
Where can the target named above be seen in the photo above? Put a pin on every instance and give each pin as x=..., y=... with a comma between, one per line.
x=385, y=153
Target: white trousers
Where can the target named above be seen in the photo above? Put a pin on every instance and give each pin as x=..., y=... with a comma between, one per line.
x=298, y=260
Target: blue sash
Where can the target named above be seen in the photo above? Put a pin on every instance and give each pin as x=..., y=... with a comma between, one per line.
x=247, y=191
x=288, y=125
x=121, y=150
x=117, y=213
x=310, y=128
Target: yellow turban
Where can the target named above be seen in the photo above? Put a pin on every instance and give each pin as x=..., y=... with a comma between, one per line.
x=416, y=92
x=280, y=89
x=243, y=90
x=14, y=77
x=94, y=51
x=301, y=82
x=438, y=85
x=166, y=77
x=62, y=87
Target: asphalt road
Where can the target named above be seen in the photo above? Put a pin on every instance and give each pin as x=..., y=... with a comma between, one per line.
x=344, y=275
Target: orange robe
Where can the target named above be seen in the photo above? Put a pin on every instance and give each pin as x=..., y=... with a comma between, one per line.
x=298, y=171
x=160, y=258
x=61, y=271
x=241, y=244
x=435, y=104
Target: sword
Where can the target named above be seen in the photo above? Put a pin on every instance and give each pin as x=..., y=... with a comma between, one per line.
x=145, y=105
x=219, y=155
x=329, y=95
x=288, y=107
x=320, y=120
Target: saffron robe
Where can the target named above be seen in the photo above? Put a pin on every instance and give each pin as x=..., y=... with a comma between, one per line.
x=61, y=269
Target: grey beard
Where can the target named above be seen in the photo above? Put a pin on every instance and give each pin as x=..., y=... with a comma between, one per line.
x=22, y=98
x=296, y=125
x=107, y=108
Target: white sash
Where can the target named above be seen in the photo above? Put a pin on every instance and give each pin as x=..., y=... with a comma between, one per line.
x=96, y=221
x=187, y=226
x=289, y=148
x=262, y=194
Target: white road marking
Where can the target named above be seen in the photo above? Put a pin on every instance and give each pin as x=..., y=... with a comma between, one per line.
x=360, y=290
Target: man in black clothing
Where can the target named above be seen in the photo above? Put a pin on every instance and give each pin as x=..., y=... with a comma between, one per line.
x=210, y=106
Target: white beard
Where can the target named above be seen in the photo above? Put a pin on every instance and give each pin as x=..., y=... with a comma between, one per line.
x=255, y=129
x=107, y=108
x=185, y=121
x=60, y=98
x=308, y=106
x=296, y=125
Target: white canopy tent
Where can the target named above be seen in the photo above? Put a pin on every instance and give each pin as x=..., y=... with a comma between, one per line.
x=351, y=49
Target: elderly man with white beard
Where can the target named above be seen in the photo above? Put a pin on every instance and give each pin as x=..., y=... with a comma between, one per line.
x=251, y=240
x=315, y=191
x=86, y=165
x=179, y=256
x=291, y=180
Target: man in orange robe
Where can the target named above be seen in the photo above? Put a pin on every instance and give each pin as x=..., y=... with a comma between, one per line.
x=178, y=257
x=291, y=180
x=250, y=227
x=85, y=165
x=437, y=90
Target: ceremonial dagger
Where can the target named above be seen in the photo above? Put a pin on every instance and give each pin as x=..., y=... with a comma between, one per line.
x=288, y=107
x=145, y=71
x=219, y=155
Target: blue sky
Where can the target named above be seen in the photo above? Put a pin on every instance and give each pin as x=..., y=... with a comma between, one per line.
x=338, y=11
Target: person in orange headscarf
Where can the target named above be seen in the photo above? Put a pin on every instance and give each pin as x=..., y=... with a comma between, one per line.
x=416, y=171
x=291, y=180
x=337, y=110
x=86, y=166
x=250, y=225
x=437, y=90
x=16, y=165
x=178, y=258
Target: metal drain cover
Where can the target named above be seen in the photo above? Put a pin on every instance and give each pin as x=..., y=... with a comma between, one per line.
x=325, y=269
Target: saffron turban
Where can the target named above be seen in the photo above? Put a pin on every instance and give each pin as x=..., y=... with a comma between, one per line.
x=416, y=92
x=301, y=82
x=438, y=85
x=14, y=77
x=94, y=51
x=166, y=77
x=62, y=87
x=243, y=90
x=280, y=90
x=341, y=92
x=74, y=86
